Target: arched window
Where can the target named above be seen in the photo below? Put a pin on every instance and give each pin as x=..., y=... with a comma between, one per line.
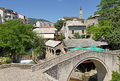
x=58, y=51
x=52, y=51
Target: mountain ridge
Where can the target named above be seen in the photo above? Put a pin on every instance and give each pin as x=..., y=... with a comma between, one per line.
x=34, y=20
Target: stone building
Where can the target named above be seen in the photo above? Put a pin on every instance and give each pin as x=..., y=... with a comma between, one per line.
x=73, y=25
x=47, y=32
x=54, y=48
x=92, y=20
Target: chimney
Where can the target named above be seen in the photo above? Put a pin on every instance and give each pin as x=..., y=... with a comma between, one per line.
x=56, y=35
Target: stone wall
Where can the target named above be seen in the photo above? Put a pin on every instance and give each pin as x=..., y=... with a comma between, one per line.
x=90, y=22
x=22, y=66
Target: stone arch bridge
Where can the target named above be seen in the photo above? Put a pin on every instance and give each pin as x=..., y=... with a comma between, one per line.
x=61, y=67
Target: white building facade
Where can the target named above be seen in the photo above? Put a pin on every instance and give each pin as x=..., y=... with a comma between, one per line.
x=6, y=14
x=46, y=33
x=23, y=18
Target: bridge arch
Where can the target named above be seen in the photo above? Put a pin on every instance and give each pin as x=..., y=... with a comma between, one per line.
x=101, y=67
x=102, y=60
x=61, y=67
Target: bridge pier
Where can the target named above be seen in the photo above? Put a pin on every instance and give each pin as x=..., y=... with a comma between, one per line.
x=103, y=74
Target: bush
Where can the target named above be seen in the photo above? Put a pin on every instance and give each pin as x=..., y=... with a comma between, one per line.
x=115, y=76
x=8, y=60
x=77, y=36
x=5, y=60
x=2, y=60
x=61, y=37
x=82, y=36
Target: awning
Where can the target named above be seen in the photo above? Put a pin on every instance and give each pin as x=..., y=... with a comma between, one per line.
x=76, y=48
x=93, y=48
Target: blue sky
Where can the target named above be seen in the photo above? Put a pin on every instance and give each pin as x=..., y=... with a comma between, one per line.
x=51, y=10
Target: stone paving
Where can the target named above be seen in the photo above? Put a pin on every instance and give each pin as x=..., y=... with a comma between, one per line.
x=17, y=74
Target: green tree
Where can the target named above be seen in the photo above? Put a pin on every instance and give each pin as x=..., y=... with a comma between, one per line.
x=39, y=48
x=59, y=24
x=100, y=32
x=16, y=38
x=109, y=22
x=114, y=38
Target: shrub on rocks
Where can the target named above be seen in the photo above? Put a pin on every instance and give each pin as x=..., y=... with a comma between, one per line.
x=5, y=60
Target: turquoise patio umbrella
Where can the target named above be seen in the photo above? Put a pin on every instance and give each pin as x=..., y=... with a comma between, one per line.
x=72, y=49
x=94, y=48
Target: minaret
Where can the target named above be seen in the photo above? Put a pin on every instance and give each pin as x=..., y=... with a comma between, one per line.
x=80, y=12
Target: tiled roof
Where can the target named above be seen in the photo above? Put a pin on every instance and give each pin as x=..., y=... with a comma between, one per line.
x=75, y=23
x=69, y=17
x=71, y=43
x=3, y=9
x=45, y=30
x=52, y=43
x=15, y=13
x=49, y=27
x=8, y=10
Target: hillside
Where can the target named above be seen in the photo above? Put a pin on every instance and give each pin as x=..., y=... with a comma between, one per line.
x=34, y=20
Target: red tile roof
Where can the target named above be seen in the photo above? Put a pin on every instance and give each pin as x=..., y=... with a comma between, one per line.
x=49, y=27
x=3, y=9
x=15, y=13
x=7, y=10
x=69, y=17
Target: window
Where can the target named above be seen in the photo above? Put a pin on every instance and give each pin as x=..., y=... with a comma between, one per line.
x=64, y=24
x=72, y=31
x=6, y=16
x=83, y=32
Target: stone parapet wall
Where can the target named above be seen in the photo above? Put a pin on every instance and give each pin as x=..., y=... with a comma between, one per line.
x=22, y=66
x=55, y=61
x=52, y=62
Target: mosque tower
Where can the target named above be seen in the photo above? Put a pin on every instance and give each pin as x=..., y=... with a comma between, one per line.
x=80, y=12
